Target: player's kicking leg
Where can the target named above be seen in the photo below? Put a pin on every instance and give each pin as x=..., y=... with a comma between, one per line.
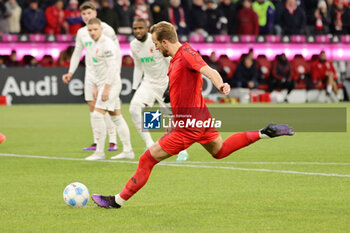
x=217, y=148
x=220, y=149
x=146, y=163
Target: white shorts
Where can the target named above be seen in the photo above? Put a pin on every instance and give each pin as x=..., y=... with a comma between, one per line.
x=113, y=101
x=88, y=86
x=147, y=94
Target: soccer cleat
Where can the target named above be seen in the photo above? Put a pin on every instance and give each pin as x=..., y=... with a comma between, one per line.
x=95, y=156
x=112, y=147
x=105, y=201
x=276, y=130
x=124, y=155
x=92, y=147
x=182, y=156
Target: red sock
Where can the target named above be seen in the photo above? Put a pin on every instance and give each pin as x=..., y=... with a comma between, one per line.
x=139, y=179
x=235, y=142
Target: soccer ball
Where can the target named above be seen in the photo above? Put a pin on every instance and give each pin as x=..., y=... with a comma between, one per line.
x=2, y=138
x=76, y=195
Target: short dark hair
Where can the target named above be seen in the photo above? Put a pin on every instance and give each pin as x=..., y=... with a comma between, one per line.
x=141, y=20
x=87, y=5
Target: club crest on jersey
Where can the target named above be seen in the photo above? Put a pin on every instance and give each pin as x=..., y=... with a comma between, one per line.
x=108, y=53
x=151, y=49
x=152, y=120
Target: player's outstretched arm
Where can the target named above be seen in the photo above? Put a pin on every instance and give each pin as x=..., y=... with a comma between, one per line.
x=216, y=79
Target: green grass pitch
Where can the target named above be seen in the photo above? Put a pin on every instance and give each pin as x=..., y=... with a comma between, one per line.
x=201, y=195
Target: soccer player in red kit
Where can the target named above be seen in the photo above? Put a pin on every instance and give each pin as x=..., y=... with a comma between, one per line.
x=185, y=90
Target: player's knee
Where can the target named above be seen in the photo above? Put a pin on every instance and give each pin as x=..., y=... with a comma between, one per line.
x=218, y=152
x=97, y=115
x=135, y=109
x=216, y=155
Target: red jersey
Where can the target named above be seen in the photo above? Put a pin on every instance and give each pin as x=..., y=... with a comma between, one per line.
x=54, y=20
x=74, y=20
x=319, y=70
x=185, y=80
x=187, y=103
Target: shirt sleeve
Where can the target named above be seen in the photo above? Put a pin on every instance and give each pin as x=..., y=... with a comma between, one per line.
x=113, y=62
x=194, y=60
x=138, y=72
x=75, y=59
x=109, y=32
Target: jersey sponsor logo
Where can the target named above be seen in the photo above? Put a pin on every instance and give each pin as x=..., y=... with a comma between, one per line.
x=147, y=59
x=88, y=43
x=94, y=60
x=151, y=120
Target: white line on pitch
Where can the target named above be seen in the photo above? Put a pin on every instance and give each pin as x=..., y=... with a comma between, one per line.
x=267, y=163
x=63, y=158
x=191, y=162
x=181, y=165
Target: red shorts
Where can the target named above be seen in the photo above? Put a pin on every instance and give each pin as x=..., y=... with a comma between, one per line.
x=175, y=141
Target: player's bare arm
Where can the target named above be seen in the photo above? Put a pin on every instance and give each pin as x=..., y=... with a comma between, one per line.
x=105, y=92
x=216, y=79
x=94, y=92
x=67, y=77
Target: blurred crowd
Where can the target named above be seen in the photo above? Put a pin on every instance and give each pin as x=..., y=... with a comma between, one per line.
x=30, y=61
x=202, y=17
x=280, y=73
x=248, y=72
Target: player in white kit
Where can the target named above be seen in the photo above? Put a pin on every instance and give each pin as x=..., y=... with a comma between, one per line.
x=153, y=67
x=106, y=66
x=83, y=40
